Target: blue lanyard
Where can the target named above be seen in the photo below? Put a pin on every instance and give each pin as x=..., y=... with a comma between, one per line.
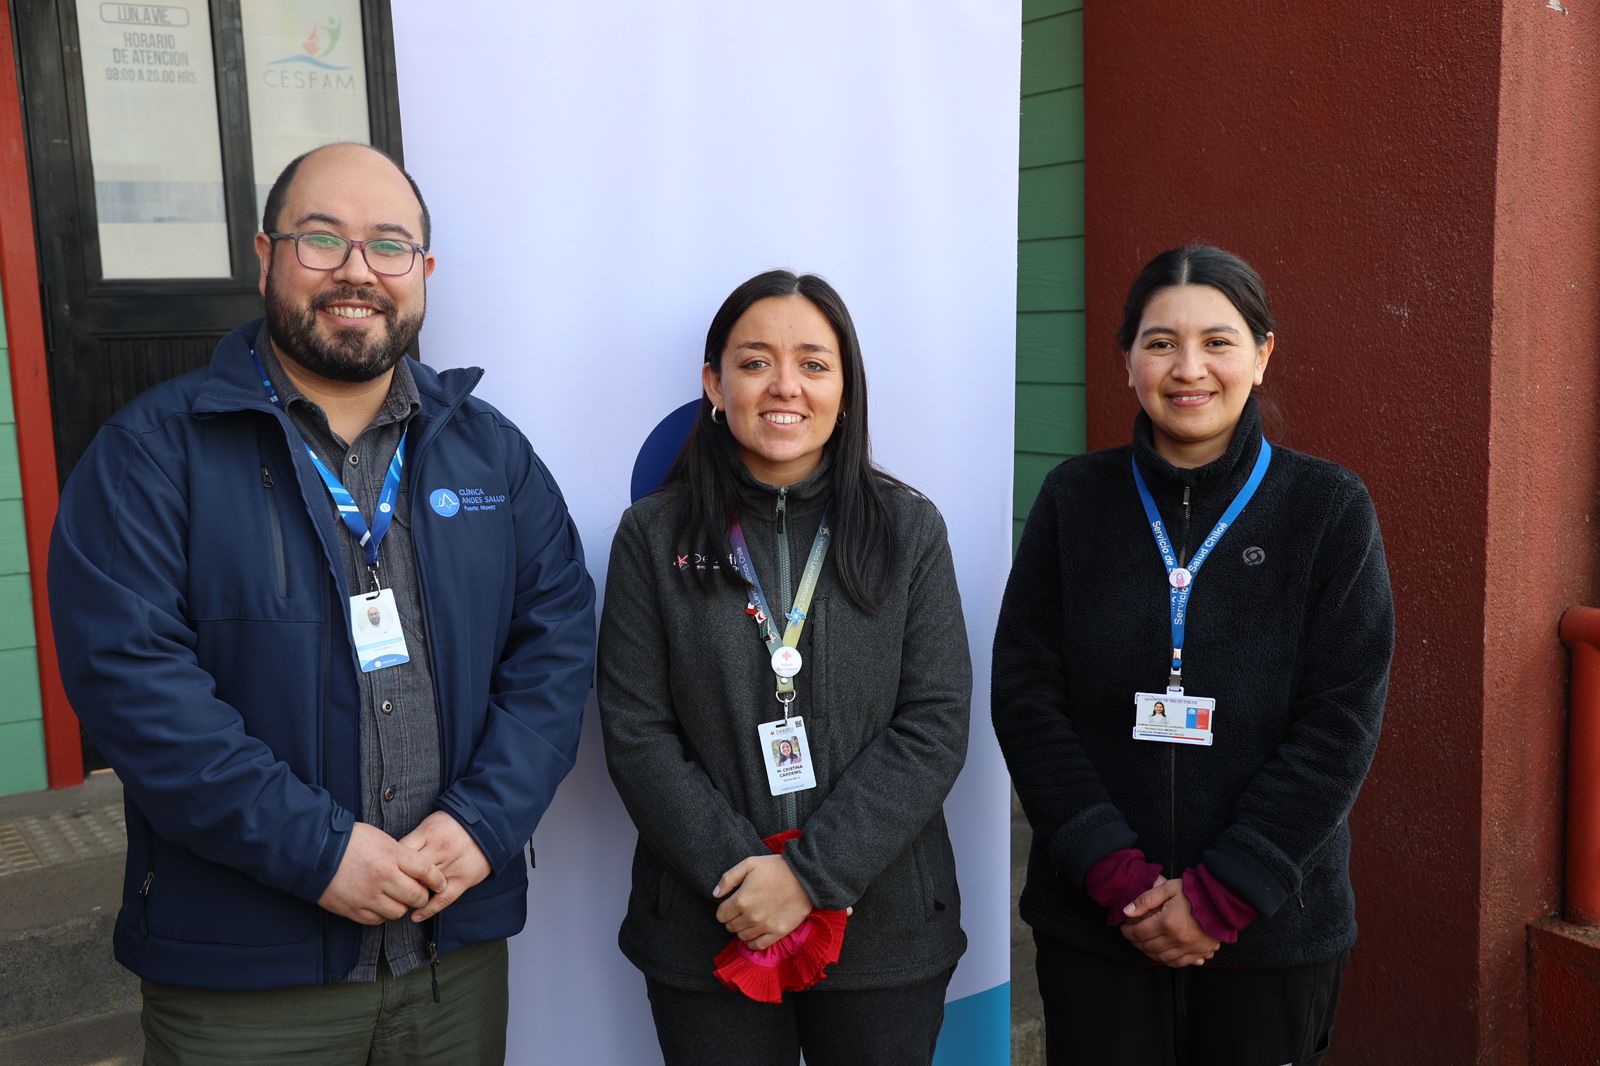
x=1181, y=578
x=349, y=513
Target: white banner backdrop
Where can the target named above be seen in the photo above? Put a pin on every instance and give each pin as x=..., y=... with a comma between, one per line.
x=600, y=177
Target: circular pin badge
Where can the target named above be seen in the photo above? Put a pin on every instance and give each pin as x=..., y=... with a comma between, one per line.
x=1180, y=577
x=786, y=662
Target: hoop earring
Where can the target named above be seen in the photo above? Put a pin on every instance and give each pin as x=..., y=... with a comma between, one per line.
x=714, y=420
x=840, y=420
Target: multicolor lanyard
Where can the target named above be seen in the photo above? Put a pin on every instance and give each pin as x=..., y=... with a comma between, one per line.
x=785, y=653
x=349, y=513
x=1181, y=578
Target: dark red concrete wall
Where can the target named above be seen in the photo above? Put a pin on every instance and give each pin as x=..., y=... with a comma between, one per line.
x=1350, y=151
x=1543, y=485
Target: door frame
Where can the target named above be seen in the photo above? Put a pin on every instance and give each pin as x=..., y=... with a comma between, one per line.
x=30, y=390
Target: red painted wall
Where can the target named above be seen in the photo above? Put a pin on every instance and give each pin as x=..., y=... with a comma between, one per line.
x=1543, y=484
x=1437, y=334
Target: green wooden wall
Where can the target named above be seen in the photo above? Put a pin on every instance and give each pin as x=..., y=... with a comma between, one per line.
x=1050, y=338
x=22, y=767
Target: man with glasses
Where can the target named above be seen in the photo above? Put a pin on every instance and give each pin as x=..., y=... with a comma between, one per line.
x=325, y=813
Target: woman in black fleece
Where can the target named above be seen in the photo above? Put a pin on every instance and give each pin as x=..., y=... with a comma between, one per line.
x=1189, y=884
x=692, y=711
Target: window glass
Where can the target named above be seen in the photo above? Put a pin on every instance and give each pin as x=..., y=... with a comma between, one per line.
x=306, y=65
x=153, y=140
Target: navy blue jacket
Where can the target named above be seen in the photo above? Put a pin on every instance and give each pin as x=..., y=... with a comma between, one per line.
x=201, y=620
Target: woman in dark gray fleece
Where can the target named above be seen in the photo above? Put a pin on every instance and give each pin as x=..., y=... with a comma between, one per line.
x=692, y=704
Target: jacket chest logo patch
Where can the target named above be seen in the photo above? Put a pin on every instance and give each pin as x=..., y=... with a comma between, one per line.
x=1254, y=556
x=697, y=561
x=445, y=503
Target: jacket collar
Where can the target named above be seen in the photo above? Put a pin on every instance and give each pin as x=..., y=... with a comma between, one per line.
x=232, y=383
x=1231, y=468
x=803, y=497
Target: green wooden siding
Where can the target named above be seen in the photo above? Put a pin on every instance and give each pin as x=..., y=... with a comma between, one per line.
x=1050, y=338
x=22, y=765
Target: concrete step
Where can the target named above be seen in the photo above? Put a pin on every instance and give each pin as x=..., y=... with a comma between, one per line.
x=107, y=1040
x=61, y=859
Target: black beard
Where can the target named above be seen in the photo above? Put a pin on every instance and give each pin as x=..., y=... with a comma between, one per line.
x=349, y=356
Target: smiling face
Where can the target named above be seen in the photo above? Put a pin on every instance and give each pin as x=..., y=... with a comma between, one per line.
x=785, y=749
x=780, y=384
x=1192, y=364
x=348, y=324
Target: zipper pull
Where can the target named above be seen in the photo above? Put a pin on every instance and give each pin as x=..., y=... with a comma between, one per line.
x=266, y=478
x=783, y=495
x=144, y=904
x=433, y=961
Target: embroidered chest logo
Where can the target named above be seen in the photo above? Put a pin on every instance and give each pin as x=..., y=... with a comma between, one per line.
x=445, y=503
x=682, y=563
x=1254, y=556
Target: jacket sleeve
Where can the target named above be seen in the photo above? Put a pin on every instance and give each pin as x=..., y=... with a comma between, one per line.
x=889, y=792
x=537, y=692
x=1301, y=795
x=680, y=813
x=118, y=576
x=1061, y=793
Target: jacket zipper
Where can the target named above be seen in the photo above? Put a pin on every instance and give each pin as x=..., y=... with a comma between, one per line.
x=144, y=902
x=275, y=527
x=791, y=813
x=433, y=958
x=1172, y=749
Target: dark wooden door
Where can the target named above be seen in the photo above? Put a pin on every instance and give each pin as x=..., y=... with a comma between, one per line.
x=110, y=338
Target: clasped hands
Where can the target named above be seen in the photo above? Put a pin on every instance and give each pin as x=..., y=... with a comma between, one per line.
x=1160, y=924
x=767, y=901
x=381, y=878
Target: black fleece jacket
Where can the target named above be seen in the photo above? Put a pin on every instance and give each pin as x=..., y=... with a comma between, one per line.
x=1290, y=630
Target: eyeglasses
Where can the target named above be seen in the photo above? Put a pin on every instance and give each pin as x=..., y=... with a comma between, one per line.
x=388, y=256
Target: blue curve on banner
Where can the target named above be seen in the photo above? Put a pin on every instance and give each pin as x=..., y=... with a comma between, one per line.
x=976, y=1030
x=660, y=448
x=307, y=60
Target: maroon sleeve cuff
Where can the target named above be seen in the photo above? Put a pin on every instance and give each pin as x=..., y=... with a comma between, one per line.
x=1119, y=879
x=1216, y=908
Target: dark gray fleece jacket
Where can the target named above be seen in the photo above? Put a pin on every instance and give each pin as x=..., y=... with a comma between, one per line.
x=1290, y=630
x=684, y=680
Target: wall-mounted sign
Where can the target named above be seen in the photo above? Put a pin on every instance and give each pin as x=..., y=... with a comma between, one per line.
x=153, y=141
x=305, y=61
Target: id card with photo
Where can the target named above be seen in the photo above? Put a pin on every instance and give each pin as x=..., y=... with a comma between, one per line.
x=1173, y=718
x=786, y=755
x=375, y=625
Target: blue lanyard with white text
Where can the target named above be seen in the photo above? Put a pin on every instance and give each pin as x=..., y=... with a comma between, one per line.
x=1182, y=578
x=796, y=618
x=349, y=513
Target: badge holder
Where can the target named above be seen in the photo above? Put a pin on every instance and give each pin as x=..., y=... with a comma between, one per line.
x=375, y=625
x=784, y=749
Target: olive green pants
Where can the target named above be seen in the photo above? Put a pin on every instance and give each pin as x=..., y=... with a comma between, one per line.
x=392, y=1021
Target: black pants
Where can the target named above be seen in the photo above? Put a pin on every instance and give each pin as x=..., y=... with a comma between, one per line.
x=1104, y=1012
x=881, y=1026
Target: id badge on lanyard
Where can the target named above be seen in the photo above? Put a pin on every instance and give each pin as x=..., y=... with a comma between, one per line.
x=784, y=749
x=1173, y=717
x=374, y=616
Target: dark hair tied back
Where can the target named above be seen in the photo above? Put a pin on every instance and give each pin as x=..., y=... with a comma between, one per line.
x=1198, y=264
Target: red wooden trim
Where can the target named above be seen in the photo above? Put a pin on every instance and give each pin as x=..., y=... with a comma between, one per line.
x=30, y=385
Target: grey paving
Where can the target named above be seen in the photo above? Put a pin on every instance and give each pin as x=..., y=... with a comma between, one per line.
x=60, y=884
x=106, y=1040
